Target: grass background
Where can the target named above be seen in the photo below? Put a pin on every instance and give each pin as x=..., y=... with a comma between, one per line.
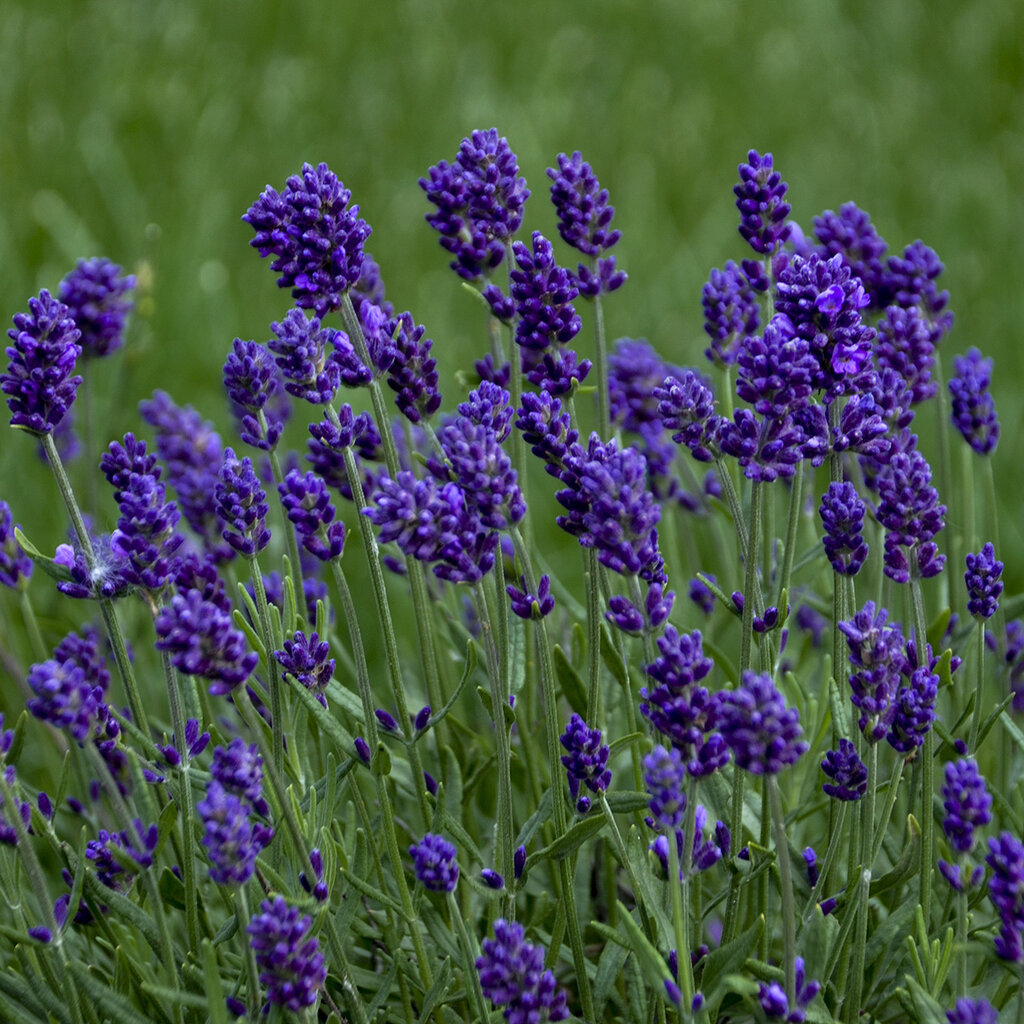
x=143, y=130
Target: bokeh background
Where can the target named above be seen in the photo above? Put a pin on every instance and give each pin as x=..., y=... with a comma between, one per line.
x=142, y=130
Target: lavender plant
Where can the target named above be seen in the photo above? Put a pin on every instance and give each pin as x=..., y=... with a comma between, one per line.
x=335, y=740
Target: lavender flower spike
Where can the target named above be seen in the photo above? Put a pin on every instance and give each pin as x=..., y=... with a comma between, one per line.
x=585, y=760
x=1006, y=890
x=847, y=771
x=231, y=840
x=967, y=803
x=761, y=731
x=291, y=965
x=842, y=515
x=96, y=297
x=972, y=411
x=973, y=1011
x=40, y=381
x=983, y=582
x=308, y=506
x=434, y=860
x=759, y=198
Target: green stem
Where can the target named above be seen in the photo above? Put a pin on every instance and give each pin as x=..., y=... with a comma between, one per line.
x=792, y=526
x=472, y=976
x=927, y=765
x=243, y=915
x=601, y=372
x=785, y=886
x=290, y=538
x=979, y=649
x=834, y=842
x=750, y=575
x=679, y=921
x=860, y=944
x=882, y=824
x=276, y=701
x=28, y=613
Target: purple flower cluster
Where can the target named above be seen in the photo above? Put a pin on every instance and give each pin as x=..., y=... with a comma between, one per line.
x=307, y=504
x=847, y=771
x=731, y=312
x=967, y=802
x=686, y=405
x=585, y=760
x=904, y=345
x=315, y=237
x=973, y=1011
x=877, y=660
x=972, y=410
x=842, y=515
x=289, y=959
x=413, y=374
x=40, y=382
x=913, y=709
x=232, y=840
x=97, y=299
x=479, y=199
x=512, y=975
x=202, y=641
x=15, y=565
x=300, y=347
x=308, y=660
x=763, y=210
x=531, y=606
x=435, y=863
x=775, y=1003
x=851, y=234
x=254, y=384
x=665, y=779
x=983, y=582
x=763, y=734
x=1006, y=890
x=584, y=216
x=242, y=506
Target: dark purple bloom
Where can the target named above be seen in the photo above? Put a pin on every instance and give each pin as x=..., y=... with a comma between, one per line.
x=492, y=879
x=913, y=711
x=479, y=200
x=519, y=861
x=775, y=1004
x=823, y=300
x=635, y=371
x=973, y=1011
x=300, y=347
x=69, y=688
x=254, y=382
x=289, y=959
x=512, y=975
x=967, y=803
x=199, y=572
x=846, y=770
x=972, y=410
x=665, y=779
x=413, y=374
x=759, y=198
x=910, y=511
x=232, y=841
x=686, y=405
x=842, y=515
x=422, y=718
x=760, y=730
x=983, y=583
x=904, y=344
x=434, y=861
x=314, y=883
x=559, y=371
x=97, y=300
x=1006, y=890
x=387, y=721
x=15, y=565
x=139, y=843
x=527, y=605
x=466, y=546
x=192, y=745
x=910, y=280
x=546, y=429
x=315, y=237
x=202, y=641
x=586, y=760
x=877, y=659
x=309, y=661
x=731, y=312
x=308, y=506
x=191, y=452
x=542, y=292
x=767, y=448
x=242, y=506
x=584, y=216
x=701, y=595
x=40, y=381
x=851, y=234
x=408, y=512
x=776, y=372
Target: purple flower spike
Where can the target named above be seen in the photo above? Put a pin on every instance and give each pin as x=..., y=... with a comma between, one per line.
x=254, y=382
x=300, y=350
x=69, y=687
x=232, y=842
x=15, y=565
x=492, y=879
x=315, y=237
x=904, y=344
x=97, y=299
x=586, y=760
x=775, y=1003
x=731, y=312
x=967, y=803
x=914, y=711
x=40, y=382
x=972, y=410
x=434, y=860
x=973, y=1011
x=512, y=975
x=665, y=779
x=759, y=198
x=983, y=583
x=531, y=606
x=309, y=661
x=1006, y=890
x=543, y=294
x=846, y=770
x=877, y=659
x=851, y=234
x=289, y=959
x=413, y=374
x=760, y=730
x=842, y=515
x=242, y=506
x=308, y=505
x=202, y=641
x=479, y=200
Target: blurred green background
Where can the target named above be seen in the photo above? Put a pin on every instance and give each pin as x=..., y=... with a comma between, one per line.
x=143, y=129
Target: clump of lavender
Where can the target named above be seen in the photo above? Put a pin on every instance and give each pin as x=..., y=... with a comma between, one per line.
x=435, y=863
x=40, y=381
x=315, y=237
x=763, y=734
x=291, y=966
x=308, y=660
x=232, y=840
x=972, y=409
x=968, y=804
x=851, y=234
x=760, y=200
x=847, y=771
x=98, y=300
x=983, y=582
x=842, y=515
x=665, y=779
x=255, y=386
x=585, y=760
x=69, y=687
x=731, y=312
x=877, y=660
x=513, y=976
x=308, y=505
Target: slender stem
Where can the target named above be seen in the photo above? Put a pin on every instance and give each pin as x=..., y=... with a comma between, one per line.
x=979, y=649
x=834, y=842
x=882, y=824
x=792, y=526
x=785, y=887
x=290, y=538
x=593, y=636
x=276, y=701
x=750, y=577
x=860, y=944
x=472, y=976
x=601, y=371
x=927, y=765
x=28, y=613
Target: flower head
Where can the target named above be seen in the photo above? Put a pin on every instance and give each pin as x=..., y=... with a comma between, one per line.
x=763, y=210
x=1006, y=890
x=289, y=959
x=232, y=841
x=69, y=687
x=15, y=565
x=97, y=299
x=761, y=731
x=40, y=381
x=238, y=767
x=585, y=760
x=731, y=312
x=542, y=292
x=308, y=505
x=972, y=410
x=315, y=237
x=309, y=661
x=973, y=1011
x=983, y=582
x=254, y=382
x=665, y=779
x=842, y=515
x=967, y=803
x=242, y=505
x=847, y=771
x=435, y=863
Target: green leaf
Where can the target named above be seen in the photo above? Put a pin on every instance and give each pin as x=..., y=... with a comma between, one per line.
x=437, y=990
x=485, y=697
x=326, y=722
x=908, y=864
x=212, y=984
x=650, y=960
x=117, y=1006
x=25, y=997
x=468, y=669
x=611, y=657
x=570, y=682
x=923, y=1008
x=724, y=962
x=640, y=862
x=609, y=968
x=244, y=625
x=61, y=573
x=573, y=839
x=373, y=892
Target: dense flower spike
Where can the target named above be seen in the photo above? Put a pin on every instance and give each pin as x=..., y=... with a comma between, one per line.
x=586, y=761
x=413, y=374
x=913, y=711
x=851, y=234
x=967, y=803
x=242, y=506
x=973, y=1011
x=232, y=841
x=904, y=344
x=40, y=381
x=15, y=565
x=69, y=687
x=308, y=506
x=434, y=861
x=774, y=1002
x=665, y=779
x=1006, y=890
x=202, y=641
x=761, y=731
x=983, y=582
x=315, y=237
x=542, y=292
x=910, y=280
x=300, y=350
x=253, y=382
x=584, y=216
x=763, y=210
x=877, y=660
x=289, y=959
x=842, y=515
x=238, y=767
x=686, y=405
x=309, y=661
x=97, y=299
x=512, y=975
x=972, y=410
x=776, y=371
x=479, y=199
x=731, y=312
